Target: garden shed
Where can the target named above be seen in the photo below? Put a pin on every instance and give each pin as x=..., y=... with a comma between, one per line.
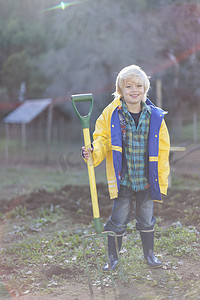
x=25, y=114
x=34, y=121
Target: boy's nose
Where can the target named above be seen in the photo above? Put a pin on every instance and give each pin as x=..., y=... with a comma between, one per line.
x=134, y=88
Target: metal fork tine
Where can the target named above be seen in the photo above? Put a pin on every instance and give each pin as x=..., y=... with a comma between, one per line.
x=86, y=266
x=97, y=260
x=100, y=273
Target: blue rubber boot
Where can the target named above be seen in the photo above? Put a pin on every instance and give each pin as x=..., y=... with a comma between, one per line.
x=147, y=238
x=112, y=253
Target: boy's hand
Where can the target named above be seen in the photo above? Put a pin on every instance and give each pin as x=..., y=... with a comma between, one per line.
x=86, y=153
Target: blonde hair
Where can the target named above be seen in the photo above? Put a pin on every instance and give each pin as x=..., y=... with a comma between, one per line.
x=132, y=72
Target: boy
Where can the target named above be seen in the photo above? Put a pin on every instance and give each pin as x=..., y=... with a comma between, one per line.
x=132, y=135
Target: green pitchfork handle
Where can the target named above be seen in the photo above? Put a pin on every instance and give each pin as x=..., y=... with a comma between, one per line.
x=85, y=122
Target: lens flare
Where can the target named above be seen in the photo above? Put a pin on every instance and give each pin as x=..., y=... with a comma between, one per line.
x=62, y=5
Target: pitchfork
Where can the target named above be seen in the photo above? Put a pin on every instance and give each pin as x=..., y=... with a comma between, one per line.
x=99, y=234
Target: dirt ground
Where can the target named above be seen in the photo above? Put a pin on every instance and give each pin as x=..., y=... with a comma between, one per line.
x=174, y=208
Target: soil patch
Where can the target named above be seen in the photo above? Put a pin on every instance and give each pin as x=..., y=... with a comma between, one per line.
x=66, y=273
x=183, y=206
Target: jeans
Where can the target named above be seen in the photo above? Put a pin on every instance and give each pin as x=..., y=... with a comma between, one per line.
x=122, y=211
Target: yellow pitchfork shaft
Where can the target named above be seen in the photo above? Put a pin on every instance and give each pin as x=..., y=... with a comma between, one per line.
x=85, y=120
x=83, y=98
x=91, y=174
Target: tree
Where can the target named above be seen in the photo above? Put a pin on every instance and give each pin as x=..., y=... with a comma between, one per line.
x=180, y=27
x=18, y=68
x=15, y=70
x=22, y=41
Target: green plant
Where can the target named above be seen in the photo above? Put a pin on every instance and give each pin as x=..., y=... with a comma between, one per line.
x=19, y=211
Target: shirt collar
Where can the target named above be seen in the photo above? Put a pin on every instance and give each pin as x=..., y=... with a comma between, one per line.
x=145, y=107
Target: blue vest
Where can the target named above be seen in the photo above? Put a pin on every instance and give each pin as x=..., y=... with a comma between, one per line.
x=157, y=116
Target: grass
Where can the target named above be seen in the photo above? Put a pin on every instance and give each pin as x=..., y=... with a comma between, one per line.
x=24, y=179
x=31, y=255
x=183, y=181
x=39, y=254
x=187, y=132
x=26, y=170
x=21, y=180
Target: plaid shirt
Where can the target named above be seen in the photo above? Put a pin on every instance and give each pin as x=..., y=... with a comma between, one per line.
x=135, y=148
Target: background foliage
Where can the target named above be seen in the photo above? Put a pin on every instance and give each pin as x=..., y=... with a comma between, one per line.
x=82, y=48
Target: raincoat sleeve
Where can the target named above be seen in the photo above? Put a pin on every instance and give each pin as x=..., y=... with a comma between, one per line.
x=163, y=158
x=101, y=139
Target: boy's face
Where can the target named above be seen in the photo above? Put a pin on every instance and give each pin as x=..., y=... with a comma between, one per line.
x=133, y=93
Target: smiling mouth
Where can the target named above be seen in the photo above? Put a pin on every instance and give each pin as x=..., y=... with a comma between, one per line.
x=134, y=95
